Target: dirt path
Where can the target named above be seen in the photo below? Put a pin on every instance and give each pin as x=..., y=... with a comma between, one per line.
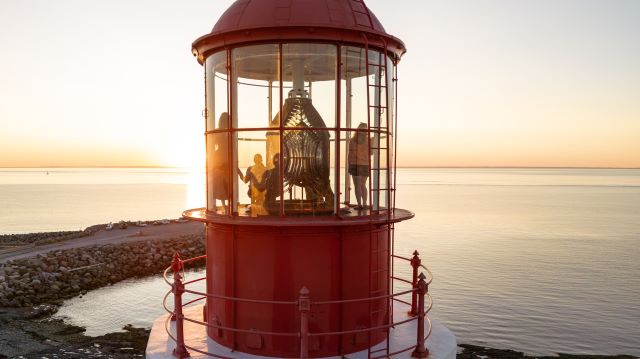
x=104, y=237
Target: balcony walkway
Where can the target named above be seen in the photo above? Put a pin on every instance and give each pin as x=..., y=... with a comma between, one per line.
x=441, y=343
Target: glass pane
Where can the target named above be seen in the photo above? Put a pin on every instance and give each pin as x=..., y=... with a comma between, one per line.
x=383, y=161
x=216, y=89
x=255, y=70
x=218, y=174
x=378, y=117
x=345, y=178
x=384, y=179
x=392, y=172
x=391, y=93
x=310, y=70
x=379, y=176
x=376, y=57
x=376, y=144
x=257, y=181
x=391, y=78
x=354, y=87
x=382, y=201
x=306, y=156
x=377, y=90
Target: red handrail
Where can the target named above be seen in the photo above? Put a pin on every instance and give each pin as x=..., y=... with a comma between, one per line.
x=419, y=289
x=362, y=299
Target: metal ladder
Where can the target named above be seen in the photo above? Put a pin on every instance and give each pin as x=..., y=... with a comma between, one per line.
x=379, y=249
x=378, y=123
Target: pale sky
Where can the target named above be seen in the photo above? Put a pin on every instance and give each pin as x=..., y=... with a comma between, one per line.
x=484, y=82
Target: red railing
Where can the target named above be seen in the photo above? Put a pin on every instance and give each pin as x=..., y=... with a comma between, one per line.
x=418, y=311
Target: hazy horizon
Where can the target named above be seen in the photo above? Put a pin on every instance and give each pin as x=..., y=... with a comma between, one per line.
x=435, y=167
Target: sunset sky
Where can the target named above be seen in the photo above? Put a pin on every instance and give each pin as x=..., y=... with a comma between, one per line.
x=484, y=83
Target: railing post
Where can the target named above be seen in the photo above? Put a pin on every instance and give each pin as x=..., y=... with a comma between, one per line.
x=304, y=305
x=178, y=289
x=415, y=264
x=421, y=351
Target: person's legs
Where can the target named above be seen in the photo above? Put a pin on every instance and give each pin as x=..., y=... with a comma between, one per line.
x=356, y=189
x=363, y=189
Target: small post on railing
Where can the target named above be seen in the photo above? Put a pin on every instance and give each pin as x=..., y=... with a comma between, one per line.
x=304, y=305
x=178, y=289
x=421, y=351
x=415, y=264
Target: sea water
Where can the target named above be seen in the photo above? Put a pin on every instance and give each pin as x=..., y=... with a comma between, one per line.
x=536, y=260
x=56, y=199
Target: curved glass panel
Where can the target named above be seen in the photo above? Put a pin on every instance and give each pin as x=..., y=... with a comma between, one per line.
x=309, y=76
x=378, y=124
x=309, y=73
x=353, y=87
x=366, y=139
x=391, y=96
x=218, y=174
x=255, y=73
x=217, y=144
x=216, y=84
x=257, y=182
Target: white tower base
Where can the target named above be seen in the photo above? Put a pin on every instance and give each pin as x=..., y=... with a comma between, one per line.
x=441, y=344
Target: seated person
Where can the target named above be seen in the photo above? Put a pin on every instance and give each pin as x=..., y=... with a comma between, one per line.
x=271, y=184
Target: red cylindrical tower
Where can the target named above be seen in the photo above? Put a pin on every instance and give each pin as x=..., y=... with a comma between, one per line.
x=300, y=122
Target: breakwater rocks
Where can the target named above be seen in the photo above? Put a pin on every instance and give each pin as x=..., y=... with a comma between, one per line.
x=32, y=333
x=58, y=275
x=479, y=352
x=47, y=237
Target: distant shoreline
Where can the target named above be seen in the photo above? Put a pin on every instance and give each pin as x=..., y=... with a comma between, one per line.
x=431, y=167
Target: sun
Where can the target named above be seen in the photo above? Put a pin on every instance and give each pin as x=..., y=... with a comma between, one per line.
x=183, y=153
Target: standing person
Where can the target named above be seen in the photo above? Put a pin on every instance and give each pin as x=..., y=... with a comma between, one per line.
x=220, y=155
x=253, y=177
x=358, y=161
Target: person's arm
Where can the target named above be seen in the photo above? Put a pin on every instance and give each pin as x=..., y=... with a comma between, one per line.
x=250, y=177
x=262, y=185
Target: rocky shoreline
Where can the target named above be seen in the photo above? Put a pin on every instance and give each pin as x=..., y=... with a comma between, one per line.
x=42, y=238
x=62, y=274
x=33, y=333
x=469, y=351
x=32, y=289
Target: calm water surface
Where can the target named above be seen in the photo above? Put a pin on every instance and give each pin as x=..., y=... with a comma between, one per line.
x=537, y=260
x=53, y=199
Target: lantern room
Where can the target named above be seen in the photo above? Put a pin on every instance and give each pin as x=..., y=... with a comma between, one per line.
x=302, y=125
x=300, y=117
x=285, y=122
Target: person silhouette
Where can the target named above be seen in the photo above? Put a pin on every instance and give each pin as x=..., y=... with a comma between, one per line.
x=271, y=184
x=253, y=176
x=220, y=155
x=358, y=161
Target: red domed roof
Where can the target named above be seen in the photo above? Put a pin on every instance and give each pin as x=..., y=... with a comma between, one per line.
x=347, y=21
x=251, y=14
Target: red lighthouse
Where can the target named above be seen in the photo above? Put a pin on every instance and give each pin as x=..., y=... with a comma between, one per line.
x=300, y=137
